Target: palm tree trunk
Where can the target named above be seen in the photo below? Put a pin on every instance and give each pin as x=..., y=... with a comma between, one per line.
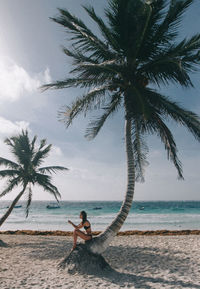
x=100, y=243
x=5, y=216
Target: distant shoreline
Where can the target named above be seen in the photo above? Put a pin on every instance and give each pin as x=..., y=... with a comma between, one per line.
x=123, y=233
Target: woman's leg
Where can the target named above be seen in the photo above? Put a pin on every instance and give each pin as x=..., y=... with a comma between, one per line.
x=75, y=239
x=82, y=235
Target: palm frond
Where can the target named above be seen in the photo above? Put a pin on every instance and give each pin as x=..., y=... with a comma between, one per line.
x=185, y=117
x=156, y=125
x=93, y=99
x=95, y=126
x=139, y=43
x=137, y=103
x=168, y=29
x=166, y=68
x=9, y=173
x=106, y=70
x=52, y=169
x=173, y=110
x=105, y=30
x=74, y=82
x=43, y=143
x=33, y=143
x=45, y=182
x=10, y=186
x=52, y=190
x=9, y=164
x=21, y=148
x=149, y=46
x=78, y=57
x=127, y=20
x=41, y=154
x=83, y=38
x=175, y=63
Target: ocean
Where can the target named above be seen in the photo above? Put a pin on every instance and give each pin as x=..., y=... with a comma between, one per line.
x=151, y=215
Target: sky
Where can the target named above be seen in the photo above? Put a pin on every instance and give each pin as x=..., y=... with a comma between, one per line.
x=31, y=55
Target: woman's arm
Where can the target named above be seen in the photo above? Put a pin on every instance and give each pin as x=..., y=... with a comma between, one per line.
x=76, y=227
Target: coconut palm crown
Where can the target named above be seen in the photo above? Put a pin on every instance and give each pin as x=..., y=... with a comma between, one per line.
x=26, y=171
x=136, y=50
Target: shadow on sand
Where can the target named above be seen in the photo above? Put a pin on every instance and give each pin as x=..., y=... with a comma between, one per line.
x=152, y=260
x=3, y=244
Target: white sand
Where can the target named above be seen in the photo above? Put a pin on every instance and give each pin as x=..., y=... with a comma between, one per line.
x=141, y=262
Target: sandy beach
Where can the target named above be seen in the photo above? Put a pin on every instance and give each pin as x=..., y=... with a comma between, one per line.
x=140, y=262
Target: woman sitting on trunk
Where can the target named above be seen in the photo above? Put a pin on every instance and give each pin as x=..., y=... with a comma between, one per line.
x=77, y=232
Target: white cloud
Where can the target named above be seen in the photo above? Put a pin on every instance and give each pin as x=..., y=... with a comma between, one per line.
x=8, y=127
x=56, y=151
x=15, y=80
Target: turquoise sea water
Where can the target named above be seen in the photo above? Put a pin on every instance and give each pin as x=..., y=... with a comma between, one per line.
x=169, y=215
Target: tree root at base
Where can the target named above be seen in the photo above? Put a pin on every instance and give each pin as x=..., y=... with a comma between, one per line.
x=82, y=260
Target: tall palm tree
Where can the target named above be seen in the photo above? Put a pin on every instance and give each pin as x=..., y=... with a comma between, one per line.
x=136, y=50
x=26, y=172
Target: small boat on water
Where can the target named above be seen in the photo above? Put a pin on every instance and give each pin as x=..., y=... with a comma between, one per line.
x=15, y=207
x=97, y=208
x=53, y=206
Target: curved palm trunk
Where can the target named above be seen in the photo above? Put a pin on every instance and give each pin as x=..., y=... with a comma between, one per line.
x=100, y=243
x=5, y=216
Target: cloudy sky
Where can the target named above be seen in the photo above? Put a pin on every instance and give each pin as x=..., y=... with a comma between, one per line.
x=30, y=55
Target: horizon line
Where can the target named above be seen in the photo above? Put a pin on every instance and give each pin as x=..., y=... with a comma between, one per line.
x=67, y=200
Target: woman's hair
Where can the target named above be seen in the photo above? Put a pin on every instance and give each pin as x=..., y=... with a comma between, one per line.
x=84, y=215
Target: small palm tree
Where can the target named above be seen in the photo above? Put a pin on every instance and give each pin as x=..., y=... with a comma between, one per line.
x=26, y=172
x=136, y=50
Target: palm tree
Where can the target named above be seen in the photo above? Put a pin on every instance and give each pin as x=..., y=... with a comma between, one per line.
x=135, y=52
x=26, y=172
